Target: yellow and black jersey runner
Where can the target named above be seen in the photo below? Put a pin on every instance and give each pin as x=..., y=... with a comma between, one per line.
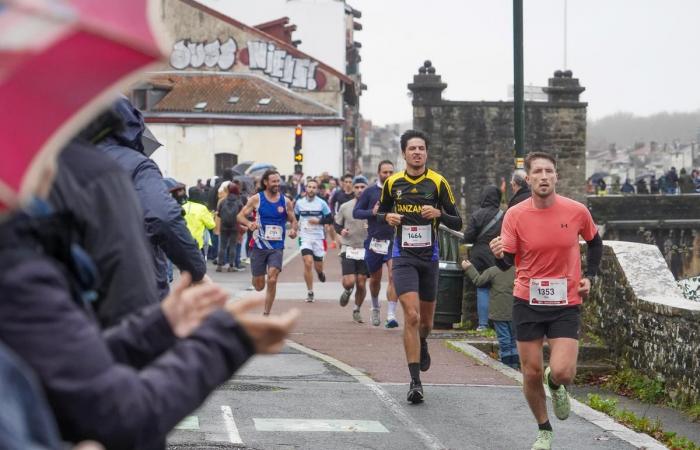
x=406, y=195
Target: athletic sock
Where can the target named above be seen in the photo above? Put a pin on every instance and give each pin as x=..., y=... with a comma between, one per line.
x=414, y=369
x=392, y=309
x=551, y=384
x=423, y=341
x=545, y=426
x=375, y=302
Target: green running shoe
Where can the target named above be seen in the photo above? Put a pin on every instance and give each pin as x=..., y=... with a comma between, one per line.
x=560, y=398
x=544, y=440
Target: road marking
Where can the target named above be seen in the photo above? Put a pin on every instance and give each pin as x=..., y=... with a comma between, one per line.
x=293, y=255
x=190, y=423
x=304, y=425
x=231, y=428
x=427, y=438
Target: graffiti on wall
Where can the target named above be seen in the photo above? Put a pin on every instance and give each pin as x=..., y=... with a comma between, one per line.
x=197, y=54
x=262, y=56
x=280, y=65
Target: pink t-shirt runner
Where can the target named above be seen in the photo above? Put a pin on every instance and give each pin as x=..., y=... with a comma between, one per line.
x=545, y=243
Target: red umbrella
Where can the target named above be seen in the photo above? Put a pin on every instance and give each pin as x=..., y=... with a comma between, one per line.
x=61, y=61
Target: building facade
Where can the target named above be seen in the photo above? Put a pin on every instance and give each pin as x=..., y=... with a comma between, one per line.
x=234, y=92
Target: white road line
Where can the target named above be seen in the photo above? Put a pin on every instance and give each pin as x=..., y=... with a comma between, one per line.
x=231, y=428
x=324, y=425
x=428, y=439
x=290, y=257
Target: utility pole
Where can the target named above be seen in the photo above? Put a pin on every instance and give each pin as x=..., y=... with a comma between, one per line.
x=518, y=89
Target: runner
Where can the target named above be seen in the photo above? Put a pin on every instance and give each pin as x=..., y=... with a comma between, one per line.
x=415, y=201
x=540, y=236
x=378, y=244
x=352, y=234
x=272, y=211
x=312, y=213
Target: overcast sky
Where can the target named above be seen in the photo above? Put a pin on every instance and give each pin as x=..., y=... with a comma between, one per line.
x=636, y=56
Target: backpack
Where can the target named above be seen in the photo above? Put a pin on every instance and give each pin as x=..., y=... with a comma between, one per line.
x=230, y=208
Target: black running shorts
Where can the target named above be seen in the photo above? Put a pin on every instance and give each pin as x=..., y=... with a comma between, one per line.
x=353, y=266
x=413, y=274
x=534, y=322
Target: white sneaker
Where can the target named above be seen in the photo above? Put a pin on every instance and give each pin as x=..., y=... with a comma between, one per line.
x=376, y=321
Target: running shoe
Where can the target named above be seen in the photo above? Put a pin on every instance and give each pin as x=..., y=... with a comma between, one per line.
x=310, y=297
x=424, y=356
x=321, y=277
x=544, y=440
x=391, y=323
x=231, y=269
x=219, y=269
x=345, y=297
x=357, y=317
x=560, y=398
x=415, y=393
x=376, y=321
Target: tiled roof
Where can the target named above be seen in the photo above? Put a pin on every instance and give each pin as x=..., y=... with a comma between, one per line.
x=219, y=93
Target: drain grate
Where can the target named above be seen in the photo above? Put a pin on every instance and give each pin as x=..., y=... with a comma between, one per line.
x=249, y=387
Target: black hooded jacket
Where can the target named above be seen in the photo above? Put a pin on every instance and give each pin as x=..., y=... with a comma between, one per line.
x=481, y=255
x=165, y=227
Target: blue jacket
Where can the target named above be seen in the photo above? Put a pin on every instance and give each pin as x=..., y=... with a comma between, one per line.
x=165, y=227
x=363, y=210
x=126, y=387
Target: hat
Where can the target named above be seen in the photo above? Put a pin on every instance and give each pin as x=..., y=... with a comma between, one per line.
x=359, y=179
x=172, y=184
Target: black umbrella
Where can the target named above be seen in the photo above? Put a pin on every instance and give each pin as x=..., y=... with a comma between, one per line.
x=597, y=176
x=240, y=168
x=247, y=183
x=641, y=177
x=150, y=143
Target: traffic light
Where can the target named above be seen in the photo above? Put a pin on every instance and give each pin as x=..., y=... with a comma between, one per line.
x=298, y=155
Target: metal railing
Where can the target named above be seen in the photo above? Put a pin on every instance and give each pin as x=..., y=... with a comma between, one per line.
x=449, y=242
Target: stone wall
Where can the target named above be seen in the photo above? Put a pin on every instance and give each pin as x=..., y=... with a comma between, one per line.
x=636, y=307
x=671, y=222
x=472, y=142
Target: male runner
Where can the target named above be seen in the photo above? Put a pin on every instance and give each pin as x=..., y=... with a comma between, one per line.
x=378, y=244
x=415, y=201
x=352, y=234
x=273, y=211
x=540, y=235
x=312, y=213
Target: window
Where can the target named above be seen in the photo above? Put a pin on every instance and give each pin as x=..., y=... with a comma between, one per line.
x=224, y=161
x=200, y=106
x=264, y=101
x=234, y=99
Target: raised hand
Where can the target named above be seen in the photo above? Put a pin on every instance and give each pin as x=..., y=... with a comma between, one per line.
x=266, y=332
x=186, y=307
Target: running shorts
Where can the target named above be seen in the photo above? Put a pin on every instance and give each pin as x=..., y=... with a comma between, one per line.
x=314, y=247
x=413, y=274
x=535, y=322
x=353, y=266
x=262, y=258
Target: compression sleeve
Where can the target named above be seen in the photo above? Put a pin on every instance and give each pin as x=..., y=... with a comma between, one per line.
x=506, y=262
x=594, y=253
x=386, y=203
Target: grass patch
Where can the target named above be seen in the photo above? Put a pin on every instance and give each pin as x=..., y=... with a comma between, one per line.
x=653, y=428
x=631, y=383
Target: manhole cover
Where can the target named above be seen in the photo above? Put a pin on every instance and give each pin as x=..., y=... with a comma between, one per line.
x=237, y=386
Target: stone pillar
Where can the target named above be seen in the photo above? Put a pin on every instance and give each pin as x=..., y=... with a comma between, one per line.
x=427, y=87
x=563, y=88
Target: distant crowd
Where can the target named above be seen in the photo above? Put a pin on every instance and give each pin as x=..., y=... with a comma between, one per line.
x=670, y=183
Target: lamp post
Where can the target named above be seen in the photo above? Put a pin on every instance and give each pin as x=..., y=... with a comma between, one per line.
x=518, y=94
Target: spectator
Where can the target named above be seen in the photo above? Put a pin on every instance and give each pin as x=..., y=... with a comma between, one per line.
x=642, y=186
x=518, y=184
x=627, y=187
x=671, y=181
x=484, y=225
x=164, y=224
x=227, y=211
x=500, y=284
x=653, y=185
x=686, y=183
x=197, y=217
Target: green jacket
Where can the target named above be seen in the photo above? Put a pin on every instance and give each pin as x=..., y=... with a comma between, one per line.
x=500, y=292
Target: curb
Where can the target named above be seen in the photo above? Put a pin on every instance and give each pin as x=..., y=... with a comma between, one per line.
x=638, y=440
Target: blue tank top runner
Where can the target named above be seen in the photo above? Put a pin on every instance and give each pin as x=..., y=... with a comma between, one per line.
x=272, y=223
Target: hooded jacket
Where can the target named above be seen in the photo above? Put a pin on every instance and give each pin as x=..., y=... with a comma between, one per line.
x=480, y=254
x=126, y=387
x=101, y=197
x=165, y=226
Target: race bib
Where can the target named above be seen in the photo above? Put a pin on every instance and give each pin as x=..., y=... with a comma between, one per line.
x=380, y=247
x=416, y=236
x=355, y=253
x=548, y=292
x=273, y=233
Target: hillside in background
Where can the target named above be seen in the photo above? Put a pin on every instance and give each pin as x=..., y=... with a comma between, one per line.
x=624, y=129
